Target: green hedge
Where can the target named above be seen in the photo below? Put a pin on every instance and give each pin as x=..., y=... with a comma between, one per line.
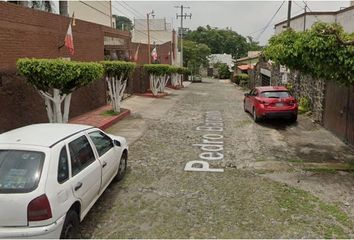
x=242, y=77
x=224, y=72
x=65, y=75
x=115, y=68
x=157, y=69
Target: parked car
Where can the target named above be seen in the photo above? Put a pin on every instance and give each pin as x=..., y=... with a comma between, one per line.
x=52, y=174
x=270, y=102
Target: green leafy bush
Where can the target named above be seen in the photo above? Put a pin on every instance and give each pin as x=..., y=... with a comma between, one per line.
x=64, y=75
x=224, y=72
x=304, y=105
x=157, y=69
x=116, y=68
x=323, y=51
x=241, y=77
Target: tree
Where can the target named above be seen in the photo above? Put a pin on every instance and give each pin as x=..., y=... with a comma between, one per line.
x=176, y=75
x=159, y=74
x=123, y=23
x=195, y=55
x=223, y=70
x=222, y=41
x=324, y=51
x=117, y=74
x=55, y=80
x=253, y=45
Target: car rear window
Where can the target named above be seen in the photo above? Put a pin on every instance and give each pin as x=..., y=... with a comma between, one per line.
x=275, y=94
x=20, y=170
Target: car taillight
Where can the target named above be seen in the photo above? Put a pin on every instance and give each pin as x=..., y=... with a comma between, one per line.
x=263, y=102
x=292, y=102
x=39, y=209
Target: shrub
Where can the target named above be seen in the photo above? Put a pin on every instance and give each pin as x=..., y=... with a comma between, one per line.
x=56, y=79
x=116, y=68
x=241, y=79
x=224, y=72
x=117, y=74
x=64, y=75
x=157, y=69
x=304, y=105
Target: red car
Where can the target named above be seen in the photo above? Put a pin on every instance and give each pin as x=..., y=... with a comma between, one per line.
x=270, y=102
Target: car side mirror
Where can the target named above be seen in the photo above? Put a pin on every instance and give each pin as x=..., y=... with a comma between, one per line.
x=247, y=94
x=117, y=143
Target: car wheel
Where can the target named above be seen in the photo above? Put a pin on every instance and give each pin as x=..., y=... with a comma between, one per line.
x=71, y=226
x=293, y=118
x=122, y=167
x=255, y=118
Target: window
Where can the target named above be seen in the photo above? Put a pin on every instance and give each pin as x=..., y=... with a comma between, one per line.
x=275, y=94
x=81, y=154
x=63, y=166
x=253, y=92
x=20, y=171
x=102, y=142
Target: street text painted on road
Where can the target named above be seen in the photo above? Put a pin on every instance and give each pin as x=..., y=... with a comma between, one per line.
x=212, y=144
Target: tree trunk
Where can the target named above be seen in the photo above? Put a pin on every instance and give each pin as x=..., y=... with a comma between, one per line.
x=67, y=100
x=57, y=106
x=155, y=84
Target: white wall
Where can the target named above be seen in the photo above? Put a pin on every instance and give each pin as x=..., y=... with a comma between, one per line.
x=298, y=23
x=92, y=11
x=346, y=19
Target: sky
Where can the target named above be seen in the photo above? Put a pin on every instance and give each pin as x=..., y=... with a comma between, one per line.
x=247, y=18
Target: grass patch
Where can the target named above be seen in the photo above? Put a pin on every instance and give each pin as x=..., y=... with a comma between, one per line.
x=109, y=113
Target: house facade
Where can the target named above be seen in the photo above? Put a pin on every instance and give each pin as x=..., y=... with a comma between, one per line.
x=99, y=12
x=344, y=17
x=162, y=36
x=330, y=103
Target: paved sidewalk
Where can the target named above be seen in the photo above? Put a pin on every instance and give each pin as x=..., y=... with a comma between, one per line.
x=144, y=109
x=132, y=128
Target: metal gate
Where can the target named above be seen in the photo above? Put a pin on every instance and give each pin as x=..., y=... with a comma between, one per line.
x=265, y=80
x=339, y=111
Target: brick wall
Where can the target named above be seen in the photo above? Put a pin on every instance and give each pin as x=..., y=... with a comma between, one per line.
x=25, y=32
x=164, y=53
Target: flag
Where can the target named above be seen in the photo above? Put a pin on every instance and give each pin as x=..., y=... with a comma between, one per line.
x=154, y=54
x=69, y=41
x=136, y=54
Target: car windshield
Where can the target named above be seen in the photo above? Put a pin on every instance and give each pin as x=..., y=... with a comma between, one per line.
x=20, y=170
x=275, y=94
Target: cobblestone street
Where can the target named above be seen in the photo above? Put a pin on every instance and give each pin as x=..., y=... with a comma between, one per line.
x=264, y=191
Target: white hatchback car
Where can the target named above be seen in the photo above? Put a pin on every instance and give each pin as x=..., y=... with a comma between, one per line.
x=52, y=174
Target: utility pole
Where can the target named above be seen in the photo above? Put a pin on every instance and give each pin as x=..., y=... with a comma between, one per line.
x=305, y=18
x=289, y=14
x=148, y=32
x=182, y=16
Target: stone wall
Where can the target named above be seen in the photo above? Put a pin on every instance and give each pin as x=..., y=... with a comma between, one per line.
x=301, y=86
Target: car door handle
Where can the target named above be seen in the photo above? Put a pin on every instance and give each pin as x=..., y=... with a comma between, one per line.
x=78, y=186
x=104, y=164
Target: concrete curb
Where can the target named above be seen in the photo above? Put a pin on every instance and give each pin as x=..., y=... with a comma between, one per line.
x=107, y=123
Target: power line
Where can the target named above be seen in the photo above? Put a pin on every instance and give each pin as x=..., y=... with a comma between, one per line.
x=185, y=15
x=270, y=21
x=141, y=16
x=138, y=13
x=94, y=8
